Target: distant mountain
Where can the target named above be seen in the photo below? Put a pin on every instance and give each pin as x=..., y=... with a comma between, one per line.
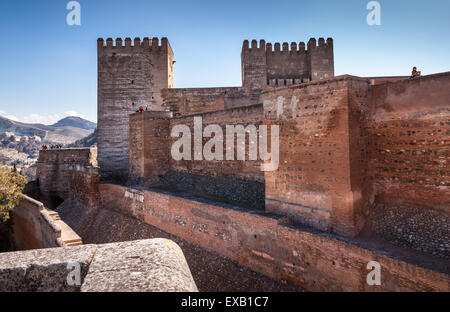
x=88, y=141
x=19, y=128
x=20, y=142
x=65, y=131
x=76, y=122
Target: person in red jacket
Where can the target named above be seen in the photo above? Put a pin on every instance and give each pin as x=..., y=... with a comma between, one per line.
x=415, y=73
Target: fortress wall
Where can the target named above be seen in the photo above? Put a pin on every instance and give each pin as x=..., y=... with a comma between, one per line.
x=201, y=100
x=129, y=76
x=411, y=140
x=54, y=168
x=285, y=64
x=151, y=161
x=149, y=147
x=83, y=185
x=248, y=170
x=316, y=181
x=267, y=245
x=241, y=182
x=33, y=226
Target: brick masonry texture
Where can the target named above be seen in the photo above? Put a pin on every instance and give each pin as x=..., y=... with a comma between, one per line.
x=314, y=182
x=192, y=101
x=55, y=166
x=266, y=244
x=286, y=64
x=211, y=271
x=334, y=138
x=411, y=140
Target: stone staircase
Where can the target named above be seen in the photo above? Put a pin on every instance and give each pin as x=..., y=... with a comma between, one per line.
x=69, y=237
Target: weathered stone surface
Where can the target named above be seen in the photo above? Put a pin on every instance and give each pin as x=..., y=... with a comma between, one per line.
x=55, y=167
x=129, y=76
x=43, y=269
x=147, y=265
x=263, y=67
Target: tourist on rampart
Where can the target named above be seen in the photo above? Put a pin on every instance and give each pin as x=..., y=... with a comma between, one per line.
x=415, y=73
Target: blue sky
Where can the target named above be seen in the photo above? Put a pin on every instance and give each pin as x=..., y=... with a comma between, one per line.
x=49, y=69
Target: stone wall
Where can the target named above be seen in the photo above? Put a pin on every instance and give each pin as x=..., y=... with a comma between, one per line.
x=54, y=168
x=149, y=148
x=201, y=100
x=249, y=169
x=36, y=227
x=339, y=149
x=156, y=265
x=83, y=184
x=411, y=140
x=129, y=76
x=268, y=245
x=321, y=179
x=240, y=182
x=286, y=64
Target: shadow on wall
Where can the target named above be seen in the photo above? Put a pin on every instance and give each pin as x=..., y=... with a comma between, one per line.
x=53, y=201
x=6, y=241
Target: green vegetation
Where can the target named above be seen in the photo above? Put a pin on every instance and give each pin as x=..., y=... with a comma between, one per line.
x=12, y=184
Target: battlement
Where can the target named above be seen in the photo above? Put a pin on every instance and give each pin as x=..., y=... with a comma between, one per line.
x=286, y=47
x=281, y=64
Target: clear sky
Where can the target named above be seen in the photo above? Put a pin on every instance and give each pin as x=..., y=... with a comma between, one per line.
x=49, y=69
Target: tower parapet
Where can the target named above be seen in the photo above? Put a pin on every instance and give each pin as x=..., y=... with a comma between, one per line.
x=146, y=44
x=283, y=64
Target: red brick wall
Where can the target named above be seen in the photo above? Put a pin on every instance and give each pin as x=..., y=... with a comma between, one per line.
x=411, y=140
x=83, y=185
x=201, y=100
x=248, y=170
x=266, y=245
x=322, y=152
x=149, y=149
x=33, y=227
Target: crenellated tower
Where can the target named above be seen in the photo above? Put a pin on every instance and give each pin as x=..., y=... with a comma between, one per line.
x=131, y=74
x=284, y=64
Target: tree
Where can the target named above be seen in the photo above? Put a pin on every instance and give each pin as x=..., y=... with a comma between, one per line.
x=12, y=184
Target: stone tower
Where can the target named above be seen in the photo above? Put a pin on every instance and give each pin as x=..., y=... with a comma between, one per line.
x=130, y=75
x=281, y=65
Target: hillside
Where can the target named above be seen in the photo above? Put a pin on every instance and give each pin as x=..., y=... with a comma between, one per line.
x=19, y=128
x=20, y=142
x=76, y=122
x=65, y=131
x=88, y=141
